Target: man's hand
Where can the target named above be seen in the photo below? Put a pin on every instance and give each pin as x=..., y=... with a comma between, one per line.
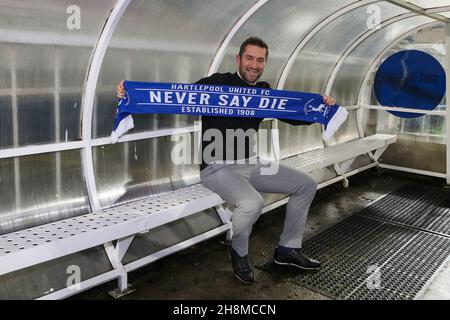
x=120, y=90
x=328, y=100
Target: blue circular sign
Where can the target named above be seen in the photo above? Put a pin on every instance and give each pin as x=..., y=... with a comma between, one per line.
x=410, y=79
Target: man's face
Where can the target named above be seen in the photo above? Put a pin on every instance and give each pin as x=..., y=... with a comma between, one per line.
x=251, y=64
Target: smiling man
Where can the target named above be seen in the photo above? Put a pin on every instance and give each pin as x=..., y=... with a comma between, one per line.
x=251, y=60
x=241, y=184
x=231, y=170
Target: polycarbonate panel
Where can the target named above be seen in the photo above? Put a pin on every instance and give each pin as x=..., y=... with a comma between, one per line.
x=47, y=53
x=264, y=147
x=424, y=128
x=36, y=119
x=71, y=66
x=408, y=152
x=427, y=4
x=347, y=132
x=6, y=108
x=6, y=134
x=427, y=128
x=5, y=68
x=104, y=119
x=44, y=21
x=40, y=189
x=314, y=64
x=41, y=279
x=348, y=81
x=163, y=41
x=55, y=68
x=323, y=175
x=69, y=117
x=129, y=171
x=282, y=24
x=298, y=139
x=35, y=66
x=167, y=235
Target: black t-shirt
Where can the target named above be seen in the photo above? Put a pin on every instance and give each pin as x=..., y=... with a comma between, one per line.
x=223, y=123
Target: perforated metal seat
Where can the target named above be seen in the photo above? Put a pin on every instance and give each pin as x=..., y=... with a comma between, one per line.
x=323, y=157
x=47, y=242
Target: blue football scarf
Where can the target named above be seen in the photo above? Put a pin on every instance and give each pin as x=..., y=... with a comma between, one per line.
x=224, y=101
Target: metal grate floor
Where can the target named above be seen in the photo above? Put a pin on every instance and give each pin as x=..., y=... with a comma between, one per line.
x=415, y=205
x=389, y=250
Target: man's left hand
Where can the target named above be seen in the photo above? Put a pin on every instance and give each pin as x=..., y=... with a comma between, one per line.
x=328, y=100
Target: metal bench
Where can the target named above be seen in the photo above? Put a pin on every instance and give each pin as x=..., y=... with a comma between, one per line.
x=115, y=228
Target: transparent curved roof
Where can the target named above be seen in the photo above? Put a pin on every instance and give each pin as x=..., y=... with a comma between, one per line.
x=428, y=4
x=282, y=24
x=315, y=62
x=349, y=79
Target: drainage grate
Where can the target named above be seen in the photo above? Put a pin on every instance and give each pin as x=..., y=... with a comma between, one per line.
x=386, y=250
x=423, y=207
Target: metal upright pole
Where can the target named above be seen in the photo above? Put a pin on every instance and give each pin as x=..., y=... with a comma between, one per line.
x=447, y=109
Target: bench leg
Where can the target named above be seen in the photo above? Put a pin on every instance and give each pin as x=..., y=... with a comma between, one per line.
x=115, y=256
x=378, y=153
x=225, y=215
x=340, y=171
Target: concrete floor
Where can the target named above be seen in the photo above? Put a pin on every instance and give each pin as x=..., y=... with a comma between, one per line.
x=204, y=271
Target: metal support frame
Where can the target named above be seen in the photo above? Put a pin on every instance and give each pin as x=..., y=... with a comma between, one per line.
x=115, y=256
x=275, y=152
x=89, y=96
x=175, y=248
x=447, y=104
x=418, y=10
x=401, y=109
x=73, y=145
x=411, y=170
x=15, y=120
x=82, y=286
x=340, y=169
x=57, y=106
x=344, y=166
x=378, y=153
x=121, y=273
x=225, y=215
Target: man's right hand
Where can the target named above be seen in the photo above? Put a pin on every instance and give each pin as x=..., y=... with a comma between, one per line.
x=120, y=90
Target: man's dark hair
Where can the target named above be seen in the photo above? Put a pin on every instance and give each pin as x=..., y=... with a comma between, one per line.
x=254, y=41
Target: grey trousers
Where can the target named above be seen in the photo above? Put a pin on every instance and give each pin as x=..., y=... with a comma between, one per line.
x=240, y=186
